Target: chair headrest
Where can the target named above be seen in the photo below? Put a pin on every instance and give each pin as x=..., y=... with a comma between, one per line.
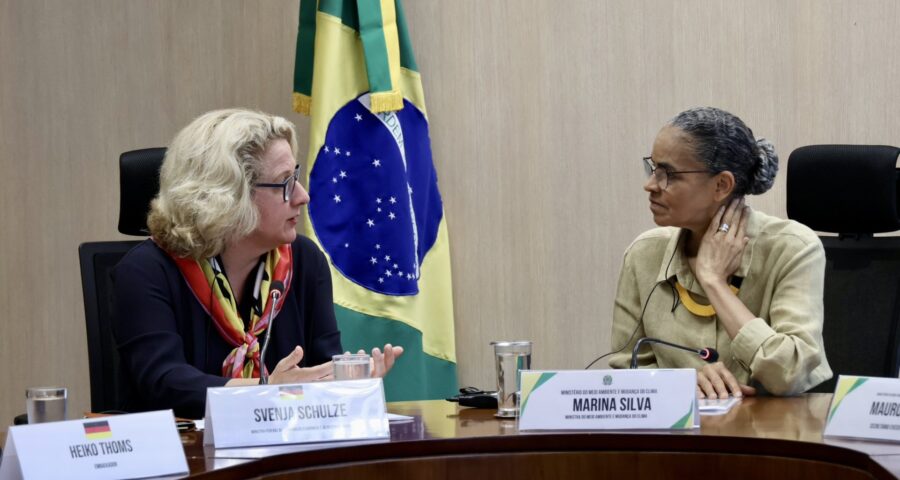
x=850, y=189
x=138, y=185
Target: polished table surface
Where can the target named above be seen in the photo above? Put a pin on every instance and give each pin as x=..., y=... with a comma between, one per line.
x=759, y=436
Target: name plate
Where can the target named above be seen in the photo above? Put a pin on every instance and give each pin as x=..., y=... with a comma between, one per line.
x=645, y=399
x=865, y=407
x=120, y=446
x=283, y=414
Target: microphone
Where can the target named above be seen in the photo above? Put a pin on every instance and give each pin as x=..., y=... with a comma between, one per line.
x=276, y=289
x=710, y=355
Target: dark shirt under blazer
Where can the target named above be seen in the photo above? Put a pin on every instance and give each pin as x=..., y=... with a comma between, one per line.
x=171, y=351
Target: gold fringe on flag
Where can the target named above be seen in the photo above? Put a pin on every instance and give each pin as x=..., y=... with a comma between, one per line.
x=302, y=103
x=387, y=101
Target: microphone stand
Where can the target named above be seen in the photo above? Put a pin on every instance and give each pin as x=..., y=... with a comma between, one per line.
x=708, y=354
x=274, y=295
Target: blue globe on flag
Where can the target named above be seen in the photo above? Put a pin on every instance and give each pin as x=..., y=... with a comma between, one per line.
x=374, y=200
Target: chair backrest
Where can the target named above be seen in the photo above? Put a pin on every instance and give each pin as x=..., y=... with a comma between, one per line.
x=97, y=262
x=852, y=191
x=138, y=184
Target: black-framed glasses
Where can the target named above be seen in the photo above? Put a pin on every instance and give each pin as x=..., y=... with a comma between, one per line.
x=663, y=174
x=287, y=186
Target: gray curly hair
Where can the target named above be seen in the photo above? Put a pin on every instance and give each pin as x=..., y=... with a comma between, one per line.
x=724, y=143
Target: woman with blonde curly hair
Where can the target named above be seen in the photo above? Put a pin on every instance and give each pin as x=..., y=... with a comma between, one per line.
x=193, y=302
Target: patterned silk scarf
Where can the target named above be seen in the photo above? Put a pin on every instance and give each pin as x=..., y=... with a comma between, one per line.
x=210, y=287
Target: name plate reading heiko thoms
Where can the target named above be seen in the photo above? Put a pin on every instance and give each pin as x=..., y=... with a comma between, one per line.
x=645, y=399
x=865, y=407
x=302, y=413
x=119, y=446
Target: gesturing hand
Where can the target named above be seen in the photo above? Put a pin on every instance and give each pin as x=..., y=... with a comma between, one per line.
x=385, y=361
x=288, y=371
x=723, y=244
x=382, y=362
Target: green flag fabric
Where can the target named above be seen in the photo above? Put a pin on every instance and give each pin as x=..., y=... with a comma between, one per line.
x=375, y=207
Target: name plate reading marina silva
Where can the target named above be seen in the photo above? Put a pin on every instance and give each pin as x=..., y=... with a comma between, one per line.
x=119, y=446
x=865, y=407
x=643, y=399
x=302, y=413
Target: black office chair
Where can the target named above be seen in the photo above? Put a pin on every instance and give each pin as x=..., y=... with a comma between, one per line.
x=852, y=190
x=138, y=184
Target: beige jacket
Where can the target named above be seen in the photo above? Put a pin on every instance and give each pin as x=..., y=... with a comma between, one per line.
x=783, y=268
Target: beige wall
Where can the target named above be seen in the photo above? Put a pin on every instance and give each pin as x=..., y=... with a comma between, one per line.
x=540, y=112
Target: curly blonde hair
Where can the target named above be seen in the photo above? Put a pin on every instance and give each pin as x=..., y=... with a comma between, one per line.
x=206, y=182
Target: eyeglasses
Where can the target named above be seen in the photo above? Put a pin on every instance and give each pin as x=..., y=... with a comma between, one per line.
x=663, y=174
x=287, y=186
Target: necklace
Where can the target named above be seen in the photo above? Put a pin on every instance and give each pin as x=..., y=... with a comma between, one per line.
x=695, y=307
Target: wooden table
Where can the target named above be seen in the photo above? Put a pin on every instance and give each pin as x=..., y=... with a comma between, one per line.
x=760, y=438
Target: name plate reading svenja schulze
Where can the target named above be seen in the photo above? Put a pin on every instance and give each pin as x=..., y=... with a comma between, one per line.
x=302, y=413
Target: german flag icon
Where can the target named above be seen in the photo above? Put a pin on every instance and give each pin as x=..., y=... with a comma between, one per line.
x=294, y=392
x=97, y=430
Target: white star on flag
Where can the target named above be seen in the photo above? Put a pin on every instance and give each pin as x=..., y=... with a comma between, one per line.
x=387, y=258
x=343, y=174
x=377, y=246
x=326, y=149
x=393, y=200
x=358, y=117
x=333, y=179
x=388, y=273
x=376, y=162
x=347, y=153
x=373, y=260
x=378, y=200
x=337, y=199
x=337, y=151
x=370, y=223
x=391, y=215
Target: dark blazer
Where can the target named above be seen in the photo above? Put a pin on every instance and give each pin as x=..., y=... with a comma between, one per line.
x=170, y=349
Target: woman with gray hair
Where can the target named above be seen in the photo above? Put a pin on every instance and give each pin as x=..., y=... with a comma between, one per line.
x=735, y=279
x=193, y=302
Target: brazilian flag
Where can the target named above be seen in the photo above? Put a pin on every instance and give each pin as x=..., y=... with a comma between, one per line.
x=375, y=208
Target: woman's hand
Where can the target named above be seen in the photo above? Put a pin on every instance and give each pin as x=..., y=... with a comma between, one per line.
x=716, y=381
x=382, y=362
x=720, y=252
x=288, y=371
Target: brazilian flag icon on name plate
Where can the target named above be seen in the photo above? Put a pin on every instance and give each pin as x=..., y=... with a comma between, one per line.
x=375, y=208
